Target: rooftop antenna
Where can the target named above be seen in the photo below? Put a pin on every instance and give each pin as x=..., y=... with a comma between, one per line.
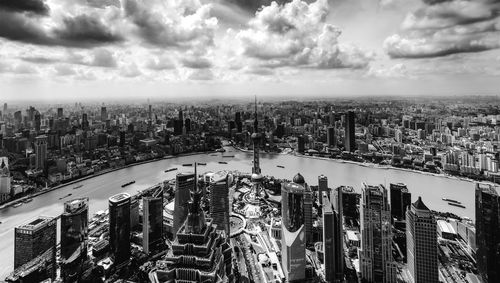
x=255, y=123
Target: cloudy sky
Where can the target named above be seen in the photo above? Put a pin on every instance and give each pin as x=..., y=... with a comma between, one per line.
x=111, y=49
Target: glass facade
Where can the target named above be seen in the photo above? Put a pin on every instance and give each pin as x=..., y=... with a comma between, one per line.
x=152, y=223
x=119, y=227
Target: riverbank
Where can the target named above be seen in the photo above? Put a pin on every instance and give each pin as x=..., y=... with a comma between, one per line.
x=106, y=171
x=388, y=167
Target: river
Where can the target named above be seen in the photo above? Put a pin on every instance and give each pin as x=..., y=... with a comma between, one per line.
x=98, y=189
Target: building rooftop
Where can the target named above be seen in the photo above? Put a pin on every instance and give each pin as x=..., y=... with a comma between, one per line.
x=119, y=197
x=37, y=223
x=419, y=204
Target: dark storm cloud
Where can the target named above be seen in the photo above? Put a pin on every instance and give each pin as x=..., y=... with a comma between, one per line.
x=432, y=2
x=86, y=30
x=254, y=5
x=33, y=6
x=196, y=63
x=80, y=31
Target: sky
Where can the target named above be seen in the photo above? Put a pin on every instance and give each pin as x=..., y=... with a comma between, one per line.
x=168, y=49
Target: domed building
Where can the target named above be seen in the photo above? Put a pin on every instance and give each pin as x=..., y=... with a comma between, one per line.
x=299, y=179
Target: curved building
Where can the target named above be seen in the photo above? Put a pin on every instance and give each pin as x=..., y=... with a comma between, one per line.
x=185, y=182
x=293, y=235
x=119, y=228
x=74, y=238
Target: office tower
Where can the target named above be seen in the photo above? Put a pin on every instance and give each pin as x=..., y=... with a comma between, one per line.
x=150, y=112
x=200, y=252
x=333, y=240
x=119, y=228
x=5, y=108
x=219, y=202
x=301, y=144
x=5, y=181
x=41, y=152
x=185, y=182
x=322, y=187
x=400, y=200
x=293, y=234
x=376, y=261
x=349, y=137
x=104, y=113
x=74, y=238
x=38, y=121
x=330, y=138
x=152, y=223
x=237, y=120
x=60, y=112
x=256, y=137
x=122, y=138
x=134, y=214
x=35, y=239
x=421, y=243
x=85, y=121
x=488, y=232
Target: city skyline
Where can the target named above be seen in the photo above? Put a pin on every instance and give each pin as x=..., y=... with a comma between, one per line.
x=54, y=49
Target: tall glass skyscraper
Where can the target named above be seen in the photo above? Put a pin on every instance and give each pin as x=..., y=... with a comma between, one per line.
x=488, y=232
x=349, y=137
x=152, y=223
x=421, y=243
x=219, y=202
x=119, y=228
x=376, y=262
x=185, y=183
x=400, y=200
x=333, y=240
x=74, y=238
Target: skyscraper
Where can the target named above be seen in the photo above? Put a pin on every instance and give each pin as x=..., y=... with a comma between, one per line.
x=219, y=202
x=322, y=187
x=60, y=112
x=74, y=237
x=35, y=239
x=119, y=228
x=350, y=138
x=400, y=200
x=5, y=180
x=185, y=182
x=376, y=262
x=293, y=234
x=38, y=121
x=488, y=232
x=104, y=113
x=41, y=152
x=152, y=223
x=256, y=137
x=330, y=138
x=421, y=243
x=333, y=240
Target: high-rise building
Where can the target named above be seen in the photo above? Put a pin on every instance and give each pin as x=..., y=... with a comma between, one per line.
x=488, y=232
x=256, y=137
x=185, y=183
x=85, y=122
x=60, y=113
x=322, y=187
x=5, y=180
x=219, y=201
x=349, y=137
x=376, y=262
x=37, y=121
x=200, y=252
x=74, y=238
x=35, y=239
x=293, y=226
x=331, y=140
x=119, y=228
x=152, y=223
x=421, y=244
x=333, y=248
x=301, y=144
x=41, y=152
x=104, y=113
x=400, y=200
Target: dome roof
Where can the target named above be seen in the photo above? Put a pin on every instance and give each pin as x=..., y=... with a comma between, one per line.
x=299, y=179
x=257, y=177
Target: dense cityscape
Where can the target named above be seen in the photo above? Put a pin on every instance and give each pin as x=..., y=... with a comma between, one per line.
x=246, y=225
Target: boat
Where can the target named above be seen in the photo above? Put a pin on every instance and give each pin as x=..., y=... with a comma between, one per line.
x=28, y=200
x=228, y=156
x=170, y=170
x=451, y=200
x=280, y=166
x=201, y=163
x=187, y=164
x=127, y=184
x=456, y=204
x=220, y=150
x=77, y=187
x=222, y=162
x=68, y=195
x=17, y=204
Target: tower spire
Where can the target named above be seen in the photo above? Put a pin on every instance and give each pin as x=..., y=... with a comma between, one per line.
x=255, y=122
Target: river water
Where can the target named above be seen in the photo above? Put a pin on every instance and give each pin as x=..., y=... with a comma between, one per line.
x=98, y=189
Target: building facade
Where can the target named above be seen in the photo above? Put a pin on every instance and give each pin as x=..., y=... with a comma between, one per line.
x=375, y=254
x=400, y=200
x=219, y=202
x=349, y=136
x=185, y=183
x=119, y=228
x=152, y=223
x=421, y=244
x=40, y=152
x=332, y=241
